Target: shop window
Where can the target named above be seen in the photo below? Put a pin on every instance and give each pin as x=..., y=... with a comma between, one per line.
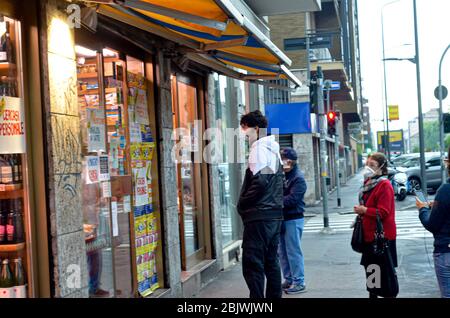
x=122, y=232
x=16, y=276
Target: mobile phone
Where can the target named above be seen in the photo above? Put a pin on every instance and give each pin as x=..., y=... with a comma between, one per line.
x=419, y=194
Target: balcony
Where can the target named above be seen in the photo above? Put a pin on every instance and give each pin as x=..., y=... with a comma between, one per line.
x=270, y=7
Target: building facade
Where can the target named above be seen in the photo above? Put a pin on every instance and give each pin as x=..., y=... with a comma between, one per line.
x=107, y=114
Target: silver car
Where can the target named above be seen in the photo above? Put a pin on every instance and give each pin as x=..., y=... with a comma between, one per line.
x=433, y=171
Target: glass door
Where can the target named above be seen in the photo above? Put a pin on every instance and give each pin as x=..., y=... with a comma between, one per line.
x=189, y=171
x=96, y=178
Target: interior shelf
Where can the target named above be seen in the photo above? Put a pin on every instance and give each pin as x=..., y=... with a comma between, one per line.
x=13, y=194
x=87, y=75
x=7, y=66
x=12, y=247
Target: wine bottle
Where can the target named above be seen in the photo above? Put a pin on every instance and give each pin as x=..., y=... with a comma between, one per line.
x=10, y=225
x=6, y=171
x=20, y=284
x=6, y=281
x=3, y=50
x=18, y=222
x=3, y=212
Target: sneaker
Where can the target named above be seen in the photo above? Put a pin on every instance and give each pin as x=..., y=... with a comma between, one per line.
x=286, y=285
x=295, y=289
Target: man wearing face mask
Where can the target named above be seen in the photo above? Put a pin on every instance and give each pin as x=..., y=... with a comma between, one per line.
x=290, y=252
x=260, y=206
x=376, y=197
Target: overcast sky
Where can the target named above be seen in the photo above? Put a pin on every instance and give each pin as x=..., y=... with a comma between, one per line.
x=434, y=37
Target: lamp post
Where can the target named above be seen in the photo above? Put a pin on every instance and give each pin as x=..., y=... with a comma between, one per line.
x=419, y=102
x=441, y=119
x=388, y=141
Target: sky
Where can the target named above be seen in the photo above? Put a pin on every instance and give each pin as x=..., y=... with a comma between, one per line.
x=434, y=37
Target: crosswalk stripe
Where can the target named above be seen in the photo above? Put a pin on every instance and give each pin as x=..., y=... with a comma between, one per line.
x=407, y=222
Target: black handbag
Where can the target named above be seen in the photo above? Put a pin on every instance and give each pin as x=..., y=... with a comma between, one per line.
x=358, y=235
x=383, y=258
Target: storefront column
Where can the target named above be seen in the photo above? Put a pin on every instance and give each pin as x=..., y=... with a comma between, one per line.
x=214, y=187
x=303, y=144
x=169, y=207
x=63, y=137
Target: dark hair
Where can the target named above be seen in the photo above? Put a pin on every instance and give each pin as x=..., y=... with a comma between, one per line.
x=254, y=119
x=382, y=161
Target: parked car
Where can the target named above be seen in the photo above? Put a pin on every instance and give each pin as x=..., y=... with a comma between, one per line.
x=433, y=171
x=400, y=160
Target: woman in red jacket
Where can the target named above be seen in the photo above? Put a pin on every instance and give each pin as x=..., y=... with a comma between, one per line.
x=376, y=194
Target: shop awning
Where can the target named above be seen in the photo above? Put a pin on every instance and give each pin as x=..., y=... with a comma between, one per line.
x=214, y=30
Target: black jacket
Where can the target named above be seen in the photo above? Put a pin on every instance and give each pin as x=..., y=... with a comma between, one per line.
x=437, y=220
x=294, y=193
x=261, y=196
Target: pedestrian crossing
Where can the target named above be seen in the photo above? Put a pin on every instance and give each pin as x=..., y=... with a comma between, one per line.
x=408, y=225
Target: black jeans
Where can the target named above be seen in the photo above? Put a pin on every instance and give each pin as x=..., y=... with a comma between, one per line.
x=260, y=258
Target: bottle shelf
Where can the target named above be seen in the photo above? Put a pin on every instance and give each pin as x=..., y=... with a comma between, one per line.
x=94, y=91
x=12, y=194
x=87, y=75
x=12, y=247
x=7, y=66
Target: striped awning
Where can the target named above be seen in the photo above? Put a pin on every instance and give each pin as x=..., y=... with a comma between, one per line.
x=218, y=34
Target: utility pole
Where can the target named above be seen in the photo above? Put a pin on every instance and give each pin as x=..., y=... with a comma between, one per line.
x=323, y=151
x=419, y=102
x=336, y=162
x=441, y=118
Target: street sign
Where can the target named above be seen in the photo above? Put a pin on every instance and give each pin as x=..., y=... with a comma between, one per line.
x=444, y=92
x=393, y=112
x=335, y=86
x=395, y=137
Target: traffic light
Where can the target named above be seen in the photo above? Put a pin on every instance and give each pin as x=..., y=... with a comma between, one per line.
x=313, y=94
x=331, y=118
x=446, y=122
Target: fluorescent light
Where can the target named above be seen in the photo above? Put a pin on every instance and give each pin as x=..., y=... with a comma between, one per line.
x=84, y=51
x=109, y=53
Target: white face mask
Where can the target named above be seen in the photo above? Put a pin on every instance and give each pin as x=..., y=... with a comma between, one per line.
x=286, y=165
x=368, y=172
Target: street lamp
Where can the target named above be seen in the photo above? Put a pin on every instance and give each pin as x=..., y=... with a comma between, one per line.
x=441, y=119
x=419, y=102
x=385, y=86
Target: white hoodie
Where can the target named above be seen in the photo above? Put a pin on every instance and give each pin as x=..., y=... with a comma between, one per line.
x=264, y=152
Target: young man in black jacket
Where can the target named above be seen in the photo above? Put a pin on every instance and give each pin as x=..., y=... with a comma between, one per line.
x=291, y=255
x=260, y=205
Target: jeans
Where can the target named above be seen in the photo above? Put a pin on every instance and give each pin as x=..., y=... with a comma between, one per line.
x=260, y=258
x=442, y=267
x=94, y=260
x=290, y=251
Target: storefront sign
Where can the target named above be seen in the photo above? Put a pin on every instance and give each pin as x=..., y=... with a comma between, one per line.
x=12, y=125
x=96, y=129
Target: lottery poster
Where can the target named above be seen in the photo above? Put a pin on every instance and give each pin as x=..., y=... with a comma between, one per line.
x=93, y=169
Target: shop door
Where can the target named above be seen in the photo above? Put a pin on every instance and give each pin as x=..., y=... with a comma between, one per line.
x=191, y=179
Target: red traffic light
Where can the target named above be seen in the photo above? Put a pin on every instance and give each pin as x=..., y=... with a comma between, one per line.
x=331, y=115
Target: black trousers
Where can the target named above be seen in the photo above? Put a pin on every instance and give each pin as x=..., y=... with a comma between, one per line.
x=260, y=258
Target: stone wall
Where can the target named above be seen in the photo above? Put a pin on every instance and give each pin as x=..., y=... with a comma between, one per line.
x=63, y=152
x=303, y=144
x=169, y=207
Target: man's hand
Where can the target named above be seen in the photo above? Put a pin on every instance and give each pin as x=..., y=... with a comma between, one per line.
x=360, y=209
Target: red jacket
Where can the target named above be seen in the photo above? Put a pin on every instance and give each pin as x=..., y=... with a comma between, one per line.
x=381, y=198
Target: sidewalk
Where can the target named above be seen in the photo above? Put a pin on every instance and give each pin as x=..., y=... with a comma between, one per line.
x=332, y=268
x=349, y=198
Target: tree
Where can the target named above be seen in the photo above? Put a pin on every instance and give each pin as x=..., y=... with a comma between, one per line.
x=431, y=135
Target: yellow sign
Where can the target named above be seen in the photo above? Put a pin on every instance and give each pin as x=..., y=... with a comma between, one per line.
x=394, y=136
x=393, y=112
